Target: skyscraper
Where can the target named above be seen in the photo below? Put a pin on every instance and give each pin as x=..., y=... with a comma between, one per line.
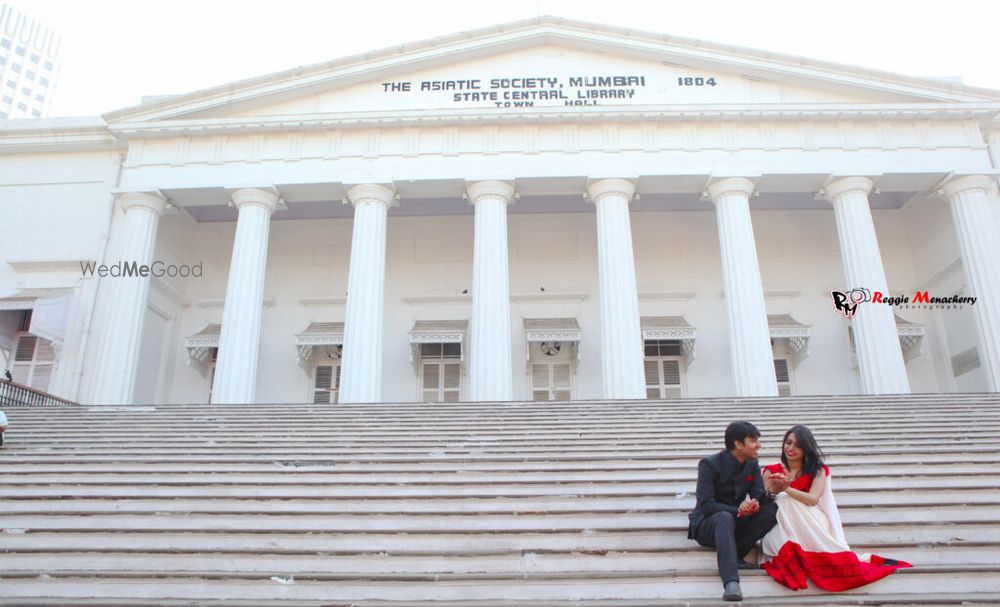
x=29, y=54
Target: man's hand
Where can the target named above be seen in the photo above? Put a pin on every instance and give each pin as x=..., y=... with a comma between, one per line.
x=749, y=507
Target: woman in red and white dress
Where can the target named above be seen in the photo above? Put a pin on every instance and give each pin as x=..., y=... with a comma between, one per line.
x=808, y=540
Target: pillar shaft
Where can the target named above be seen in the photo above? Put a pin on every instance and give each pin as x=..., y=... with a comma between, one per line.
x=876, y=338
x=980, y=245
x=361, y=373
x=239, y=344
x=135, y=238
x=621, y=336
x=490, y=372
x=750, y=353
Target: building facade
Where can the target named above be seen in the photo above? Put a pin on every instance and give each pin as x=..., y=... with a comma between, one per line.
x=544, y=210
x=29, y=62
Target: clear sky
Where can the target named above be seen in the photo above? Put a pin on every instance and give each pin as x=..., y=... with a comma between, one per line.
x=116, y=51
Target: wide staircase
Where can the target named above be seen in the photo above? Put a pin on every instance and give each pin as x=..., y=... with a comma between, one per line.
x=578, y=503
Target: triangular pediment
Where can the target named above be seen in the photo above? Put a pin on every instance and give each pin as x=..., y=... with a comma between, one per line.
x=549, y=63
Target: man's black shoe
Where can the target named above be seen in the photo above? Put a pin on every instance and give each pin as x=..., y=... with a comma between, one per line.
x=746, y=565
x=733, y=592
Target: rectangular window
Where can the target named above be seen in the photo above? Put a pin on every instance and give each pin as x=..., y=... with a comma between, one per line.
x=550, y=381
x=211, y=371
x=40, y=98
x=550, y=369
x=48, y=65
x=663, y=369
x=35, y=57
x=326, y=383
x=3, y=115
x=3, y=61
x=8, y=99
x=22, y=106
x=15, y=67
x=20, y=51
x=782, y=366
x=43, y=81
x=5, y=43
x=30, y=75
x=440, y=372
x=11, y=84
x=36, y=113
x=781, y=374
x=25, y=91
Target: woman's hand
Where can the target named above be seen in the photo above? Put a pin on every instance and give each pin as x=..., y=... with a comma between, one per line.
x=775, y=483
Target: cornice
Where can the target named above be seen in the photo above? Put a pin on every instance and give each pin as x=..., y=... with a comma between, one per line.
x=92, y=134
x=555, y=115
x=57, y=135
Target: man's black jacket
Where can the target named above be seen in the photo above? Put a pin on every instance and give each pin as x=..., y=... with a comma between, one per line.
x=723, y=483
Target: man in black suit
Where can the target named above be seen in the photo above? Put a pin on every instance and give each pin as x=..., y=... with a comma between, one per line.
x=733, y=510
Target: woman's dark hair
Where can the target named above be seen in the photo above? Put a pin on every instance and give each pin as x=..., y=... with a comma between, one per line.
x=812, y=455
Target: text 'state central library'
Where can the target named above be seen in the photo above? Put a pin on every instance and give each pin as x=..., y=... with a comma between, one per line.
x=544, y=210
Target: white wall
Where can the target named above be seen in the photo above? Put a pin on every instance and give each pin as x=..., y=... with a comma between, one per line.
x=55, y=211
x=430, y=264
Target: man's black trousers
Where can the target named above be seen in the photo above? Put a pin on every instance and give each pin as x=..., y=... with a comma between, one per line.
x=733, y=537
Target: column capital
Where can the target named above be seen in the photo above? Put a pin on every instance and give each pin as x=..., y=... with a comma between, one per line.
x=477, y=190
x=372, y=193
x=152, y=200
x=596, y=190
x=959, y=184
x=835, y=188
x=731, y=185
x=266, y=198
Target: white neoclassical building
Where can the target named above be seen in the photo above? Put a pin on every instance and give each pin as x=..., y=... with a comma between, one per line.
x=541, y=210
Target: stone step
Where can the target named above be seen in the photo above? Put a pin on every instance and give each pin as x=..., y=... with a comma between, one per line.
x=312, y=436
x=933, y=599
x=771, y=421
x=445, y=523
x=464, y=504
x=56, y=465
x=385, y=567
x=129, y=486
x=475, y=452
x=334, y=477
x=650, y=586
x=267, y=541
x=20, y=463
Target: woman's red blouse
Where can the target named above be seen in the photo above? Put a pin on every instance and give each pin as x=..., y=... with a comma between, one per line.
x=803, y=483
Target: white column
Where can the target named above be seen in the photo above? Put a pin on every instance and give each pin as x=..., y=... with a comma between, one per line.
x=239, y=343
x=750, y=353
x=979, y=240
x=134, y=238
x=621, y=337
x=880, y=357
x=361, y=373
x=490, y=373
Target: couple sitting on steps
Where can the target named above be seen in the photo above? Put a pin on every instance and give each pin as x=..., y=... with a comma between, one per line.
x=789, y=507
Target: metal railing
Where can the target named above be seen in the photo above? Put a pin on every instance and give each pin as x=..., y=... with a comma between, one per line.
x=17, y=395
